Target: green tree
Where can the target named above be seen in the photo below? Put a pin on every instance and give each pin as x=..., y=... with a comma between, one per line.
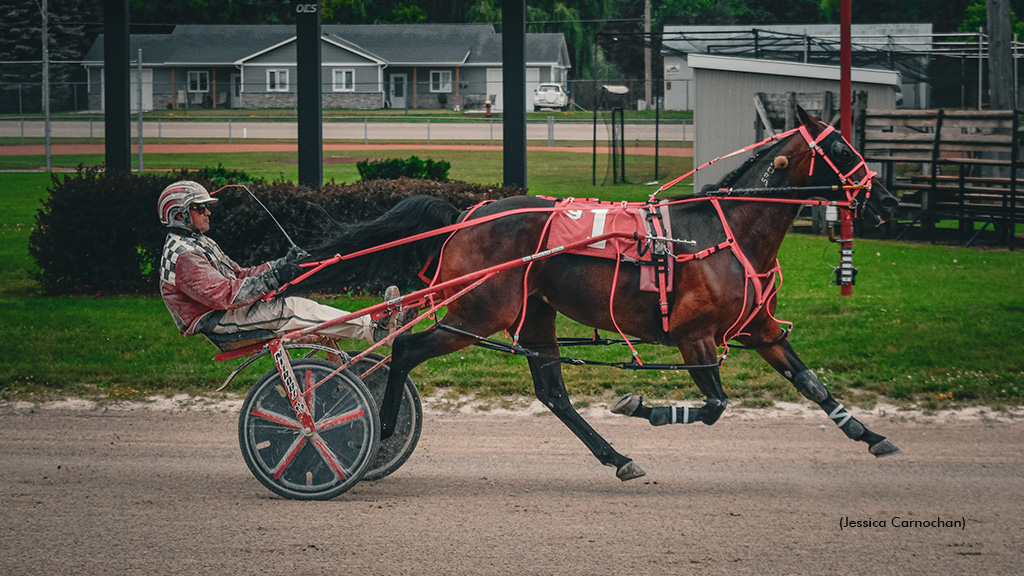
x=408, y=14
x=976, y=16
x=21, y=41
x=157, y=12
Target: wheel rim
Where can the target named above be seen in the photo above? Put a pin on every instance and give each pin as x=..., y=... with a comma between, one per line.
x=319, y=463
x=397, y=449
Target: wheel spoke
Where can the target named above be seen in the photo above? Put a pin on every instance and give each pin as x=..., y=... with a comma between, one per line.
x=300, y=441
x=276, y=418
x=327, y=424
x=329, y=457
x=308, y=394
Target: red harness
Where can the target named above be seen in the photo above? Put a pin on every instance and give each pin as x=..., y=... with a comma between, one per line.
x=628, y=229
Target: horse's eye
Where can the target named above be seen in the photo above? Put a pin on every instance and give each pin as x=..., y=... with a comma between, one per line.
x=840, y=151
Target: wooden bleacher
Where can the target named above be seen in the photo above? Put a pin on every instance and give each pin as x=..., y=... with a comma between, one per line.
x=949, y=165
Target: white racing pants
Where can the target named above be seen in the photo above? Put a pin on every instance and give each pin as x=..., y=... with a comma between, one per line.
x=284, y=315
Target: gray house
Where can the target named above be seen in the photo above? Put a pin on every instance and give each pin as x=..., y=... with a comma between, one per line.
x=455, y=66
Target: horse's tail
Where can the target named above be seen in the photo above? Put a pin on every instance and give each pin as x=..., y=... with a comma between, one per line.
x=411, y=216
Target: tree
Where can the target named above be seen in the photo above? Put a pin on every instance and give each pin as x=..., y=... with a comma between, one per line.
x=976, y=16
x=21, y=84
x=162, y=12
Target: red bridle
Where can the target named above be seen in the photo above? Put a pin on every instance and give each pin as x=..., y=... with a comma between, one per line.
x=851, y=189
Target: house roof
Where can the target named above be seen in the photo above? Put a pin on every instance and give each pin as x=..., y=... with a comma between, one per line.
x=395, y=44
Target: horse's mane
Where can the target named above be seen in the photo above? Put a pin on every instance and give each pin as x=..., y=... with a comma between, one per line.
x=409, y=217
x=732, y=177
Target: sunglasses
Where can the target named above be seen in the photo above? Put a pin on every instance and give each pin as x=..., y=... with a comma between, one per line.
x=200, y=208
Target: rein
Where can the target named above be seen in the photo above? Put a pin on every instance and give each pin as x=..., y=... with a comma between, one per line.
x=765, y=285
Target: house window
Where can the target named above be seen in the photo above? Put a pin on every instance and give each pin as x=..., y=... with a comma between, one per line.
x=277, y=80
x=345, y=80
x=198, y=81
x=440, y=81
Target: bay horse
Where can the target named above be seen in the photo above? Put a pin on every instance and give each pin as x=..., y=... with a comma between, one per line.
x=710, y=292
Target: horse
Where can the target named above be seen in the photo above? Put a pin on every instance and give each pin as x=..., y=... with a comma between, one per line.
x=710, y=292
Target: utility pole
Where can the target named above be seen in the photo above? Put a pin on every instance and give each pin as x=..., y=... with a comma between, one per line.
x=647, y=53
x=1000, y=66
x=46, y=81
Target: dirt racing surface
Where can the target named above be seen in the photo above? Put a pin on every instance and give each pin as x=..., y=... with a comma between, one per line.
x=146, y=489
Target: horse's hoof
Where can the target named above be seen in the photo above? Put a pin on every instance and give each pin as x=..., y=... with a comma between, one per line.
x=884, y=448
x=628, y=471
x=626, y=406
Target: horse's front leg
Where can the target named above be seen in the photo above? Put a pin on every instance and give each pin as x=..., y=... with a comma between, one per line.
x=538, y=334
x=408, y=351
x=702, y=354
x=782, y=357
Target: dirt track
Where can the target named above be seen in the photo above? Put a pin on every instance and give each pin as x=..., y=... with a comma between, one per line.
x=143, y=491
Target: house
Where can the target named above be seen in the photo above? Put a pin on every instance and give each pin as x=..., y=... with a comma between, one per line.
x=900, y=47
x=371, y=66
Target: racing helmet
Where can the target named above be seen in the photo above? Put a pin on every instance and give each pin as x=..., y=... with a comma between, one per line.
x=177, y=199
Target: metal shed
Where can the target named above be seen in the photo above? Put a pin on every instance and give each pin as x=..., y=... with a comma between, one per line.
x=725, y=116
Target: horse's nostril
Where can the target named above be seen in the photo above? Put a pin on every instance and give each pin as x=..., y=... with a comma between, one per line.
x=890, y=202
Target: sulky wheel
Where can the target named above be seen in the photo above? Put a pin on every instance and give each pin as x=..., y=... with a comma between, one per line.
x=317, y=464
x=395, y=450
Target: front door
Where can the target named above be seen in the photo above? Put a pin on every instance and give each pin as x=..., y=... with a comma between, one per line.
x=236, y=90
x=397, y=91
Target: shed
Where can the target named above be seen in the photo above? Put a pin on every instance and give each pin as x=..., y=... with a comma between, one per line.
x=725, y=118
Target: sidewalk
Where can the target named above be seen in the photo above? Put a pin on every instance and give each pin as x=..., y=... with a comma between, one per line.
x=222, y=148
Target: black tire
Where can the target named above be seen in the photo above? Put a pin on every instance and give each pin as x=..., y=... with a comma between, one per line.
x=397, y=449
x=290, y=463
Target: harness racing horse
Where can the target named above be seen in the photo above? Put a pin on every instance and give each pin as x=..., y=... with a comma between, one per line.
x=719, y=294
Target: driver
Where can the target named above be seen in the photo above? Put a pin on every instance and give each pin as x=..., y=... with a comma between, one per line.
x=207, y=293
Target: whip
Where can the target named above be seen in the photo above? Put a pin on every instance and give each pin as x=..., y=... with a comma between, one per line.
x=267, y=210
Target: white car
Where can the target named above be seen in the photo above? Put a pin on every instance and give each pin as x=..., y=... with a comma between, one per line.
x=550, y=96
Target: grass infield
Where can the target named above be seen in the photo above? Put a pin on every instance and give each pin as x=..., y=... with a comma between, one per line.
x=936, y=326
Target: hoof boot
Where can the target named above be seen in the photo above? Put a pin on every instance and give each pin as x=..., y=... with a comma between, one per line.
x=884, y=448
x=628, y=471
x=626, y=406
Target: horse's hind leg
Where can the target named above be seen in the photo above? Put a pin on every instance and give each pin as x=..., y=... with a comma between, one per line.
x=708, y=380
x=538, y=334
x=782, y=357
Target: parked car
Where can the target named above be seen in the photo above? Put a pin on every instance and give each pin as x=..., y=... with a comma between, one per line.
x=550, y=96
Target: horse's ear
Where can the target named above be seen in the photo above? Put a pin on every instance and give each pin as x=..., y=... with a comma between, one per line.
x=813, y=124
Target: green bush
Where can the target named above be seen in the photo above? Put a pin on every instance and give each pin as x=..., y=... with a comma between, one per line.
x=398, y=168
x=98, y=232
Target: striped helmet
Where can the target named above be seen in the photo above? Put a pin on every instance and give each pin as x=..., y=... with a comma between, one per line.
x=177, y=199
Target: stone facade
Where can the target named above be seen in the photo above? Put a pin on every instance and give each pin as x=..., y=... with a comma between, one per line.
x=354, y=100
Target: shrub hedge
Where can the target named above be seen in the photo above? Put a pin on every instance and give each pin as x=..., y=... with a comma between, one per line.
x=396, y=168
x=98, y=232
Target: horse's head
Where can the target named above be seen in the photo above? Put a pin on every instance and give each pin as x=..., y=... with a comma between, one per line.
x=833, y=161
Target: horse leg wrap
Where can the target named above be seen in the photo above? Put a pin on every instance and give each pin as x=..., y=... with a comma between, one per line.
x=663, y=415
x=809, y=385
x=847, y=423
